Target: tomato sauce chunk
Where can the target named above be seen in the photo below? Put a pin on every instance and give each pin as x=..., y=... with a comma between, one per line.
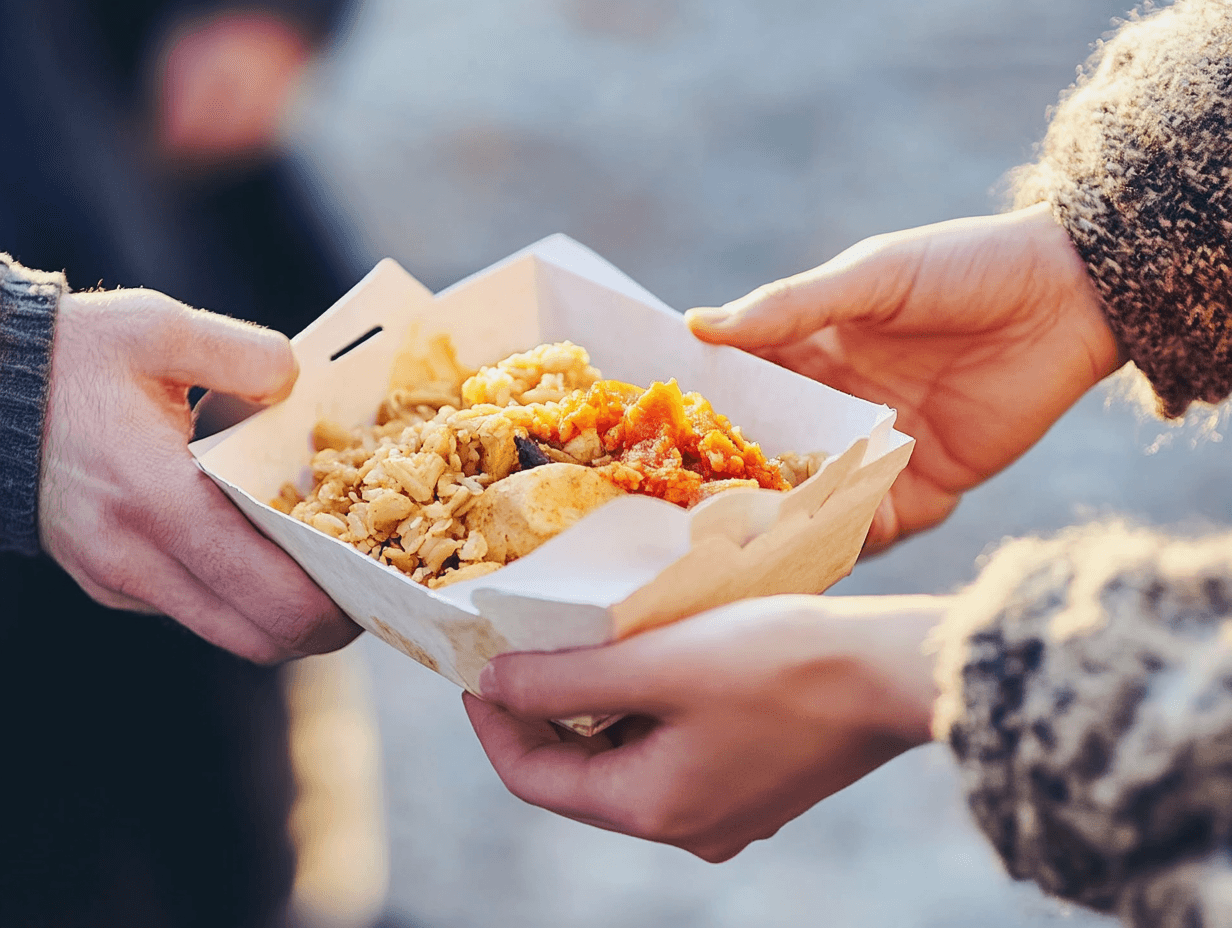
x=662, y=442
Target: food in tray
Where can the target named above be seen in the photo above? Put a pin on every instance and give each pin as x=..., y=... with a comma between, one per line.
x=466, y=471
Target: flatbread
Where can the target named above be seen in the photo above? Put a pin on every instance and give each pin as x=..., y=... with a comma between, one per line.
x=525, y=509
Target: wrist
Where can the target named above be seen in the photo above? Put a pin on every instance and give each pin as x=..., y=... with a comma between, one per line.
x=1068, y=293
x=910, y=667
x=887, y=641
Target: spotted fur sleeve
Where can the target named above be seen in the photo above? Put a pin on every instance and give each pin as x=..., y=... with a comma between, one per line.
x=1137, y=166
x=1087, y=695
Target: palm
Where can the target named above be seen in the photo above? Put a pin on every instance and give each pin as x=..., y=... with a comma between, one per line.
x=738, y=720
x=981, y=333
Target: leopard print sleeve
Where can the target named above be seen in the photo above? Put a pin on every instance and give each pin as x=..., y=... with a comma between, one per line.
x=1087, y=695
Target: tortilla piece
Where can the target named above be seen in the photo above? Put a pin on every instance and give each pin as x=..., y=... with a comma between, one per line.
x=715, y=487
x=525, y=509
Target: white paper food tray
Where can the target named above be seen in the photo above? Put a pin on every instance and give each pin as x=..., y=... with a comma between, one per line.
x=635, y=563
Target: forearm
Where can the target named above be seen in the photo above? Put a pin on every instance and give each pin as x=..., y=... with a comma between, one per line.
x=1084, y=693
x=28, y=301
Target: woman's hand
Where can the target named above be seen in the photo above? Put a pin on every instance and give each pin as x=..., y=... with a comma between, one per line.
x=122, y=505
x=739, y=719
x=980, y=332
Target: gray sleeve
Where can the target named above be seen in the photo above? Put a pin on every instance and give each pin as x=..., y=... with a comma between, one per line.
x=28, y=301
x=1087, y=695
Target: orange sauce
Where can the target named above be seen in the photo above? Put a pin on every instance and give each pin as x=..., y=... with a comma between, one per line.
x=662, y=442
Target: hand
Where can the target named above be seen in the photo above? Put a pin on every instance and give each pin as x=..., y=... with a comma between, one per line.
x=980, y=332
x=122, y=505
x=223, y=83
x=740, y=719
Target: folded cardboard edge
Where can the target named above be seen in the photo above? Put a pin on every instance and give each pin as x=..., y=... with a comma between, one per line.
x=567, y=253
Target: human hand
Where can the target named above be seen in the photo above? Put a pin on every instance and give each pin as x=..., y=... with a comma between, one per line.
x=122, y=505
x=222, y=84
x=980, y=332
x=739, y=719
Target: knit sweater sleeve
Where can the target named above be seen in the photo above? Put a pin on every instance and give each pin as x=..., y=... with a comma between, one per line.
x=1137, y=166
x=1087, y=694
x=1087, y=679
x=28, y=301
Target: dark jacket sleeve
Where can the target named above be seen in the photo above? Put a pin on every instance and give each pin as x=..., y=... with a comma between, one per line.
x=1137, y=166
x=28, y=301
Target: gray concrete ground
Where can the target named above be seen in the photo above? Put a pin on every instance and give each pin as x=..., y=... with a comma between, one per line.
x=705, y=147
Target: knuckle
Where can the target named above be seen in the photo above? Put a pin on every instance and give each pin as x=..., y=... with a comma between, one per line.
x=109, y=568
x=662, y=817
x=276, y=345
x=125, y=509
x=177, y=325
x=157, y=300
x=876, y=244
x=157, y=310
x=158, y=324
x=331, y=635
x=775, y=294
x=526, y=792
x=101, y=595
x=511, y=689
x=307, y=623
x=292, y=628
x=716, y=853
x=267, y=654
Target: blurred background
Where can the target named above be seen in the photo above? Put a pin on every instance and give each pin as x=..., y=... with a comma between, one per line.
x=706, y=147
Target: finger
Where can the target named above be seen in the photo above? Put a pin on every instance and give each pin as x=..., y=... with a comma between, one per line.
x=615, y=679
x=214, y=542
x=197, y=348
x=885, y=529
x=149, y=579
x=912, y=505
x=538, y=767
x=186, y=600
x=866, y=284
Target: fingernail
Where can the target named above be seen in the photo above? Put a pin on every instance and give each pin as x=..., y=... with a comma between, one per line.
x=487, y=681
x=708, y=316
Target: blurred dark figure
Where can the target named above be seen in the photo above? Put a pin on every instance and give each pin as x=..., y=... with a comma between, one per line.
x=145, y=775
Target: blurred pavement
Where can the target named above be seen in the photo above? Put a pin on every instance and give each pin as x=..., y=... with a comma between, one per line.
x=706, y=147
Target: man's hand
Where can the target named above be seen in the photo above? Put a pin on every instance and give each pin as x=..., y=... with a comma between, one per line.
x=980, y=332
x=740, y=719
x=122, y=505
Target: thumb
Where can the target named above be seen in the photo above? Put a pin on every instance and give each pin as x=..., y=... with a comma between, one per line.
x=607, y=680
x=866, y=284
x=191, y=346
